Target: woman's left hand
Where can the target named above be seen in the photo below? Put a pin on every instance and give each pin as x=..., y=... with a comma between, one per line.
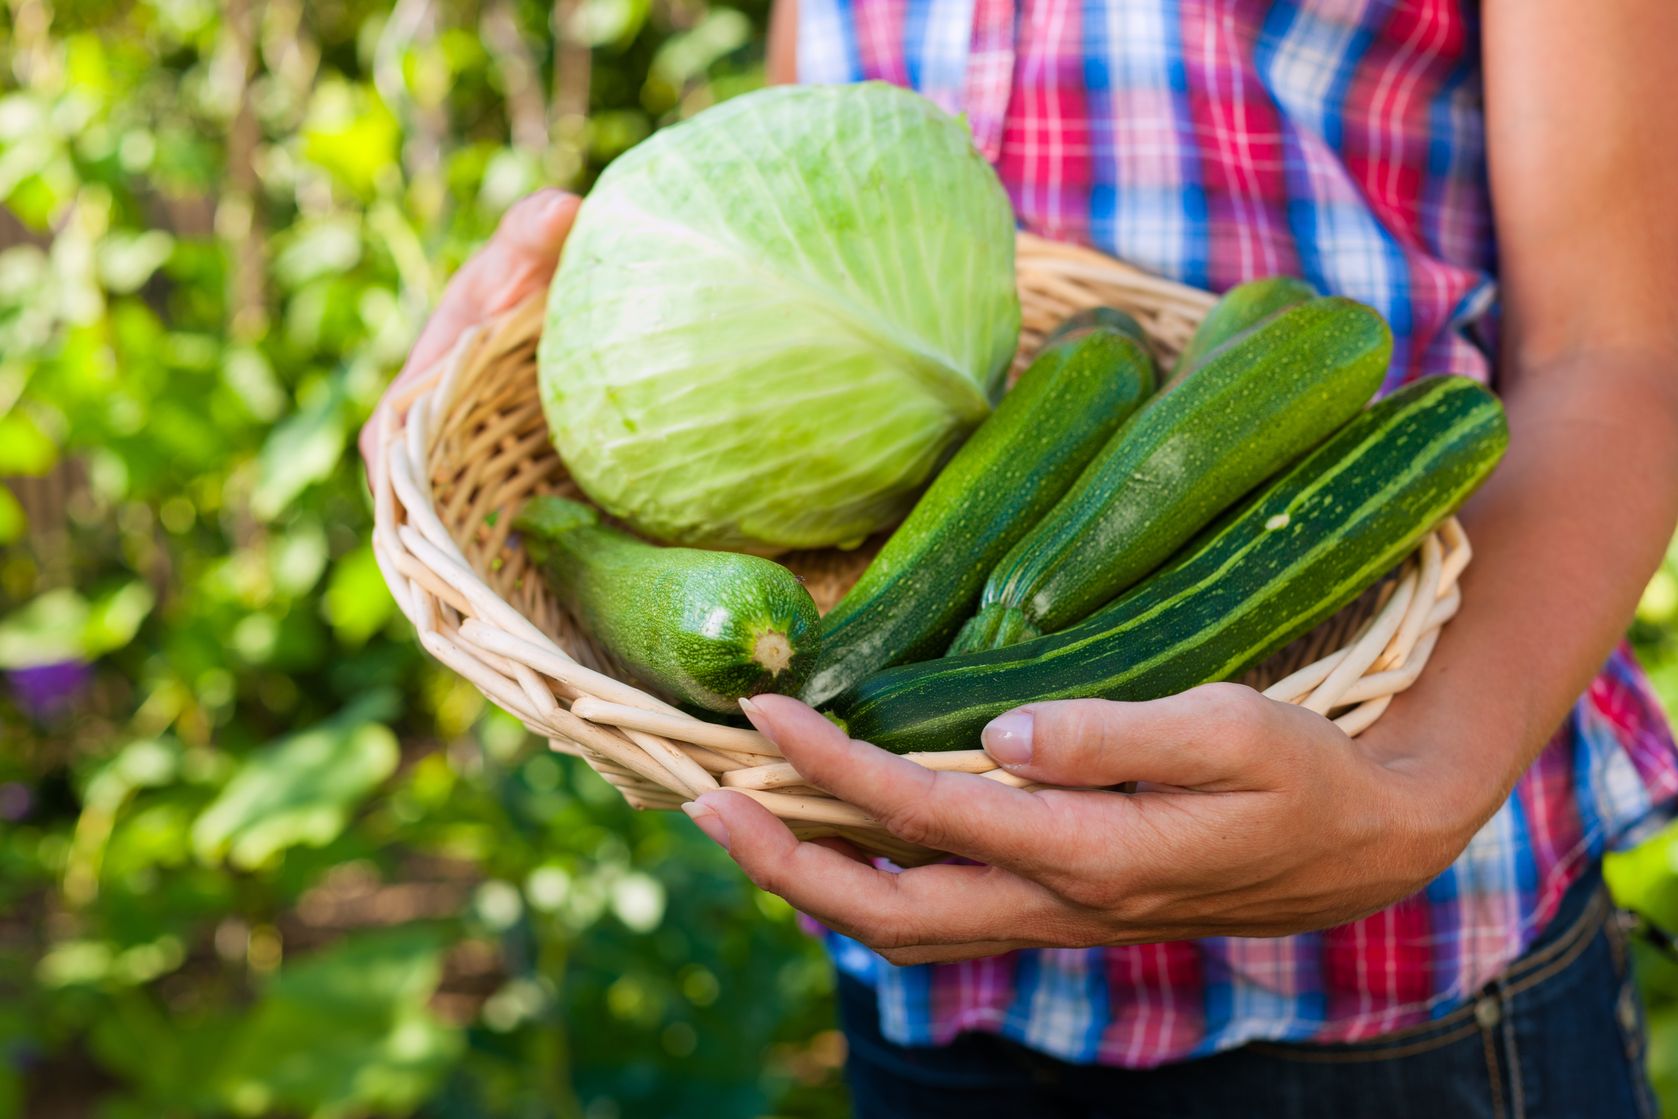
x=1255, y=818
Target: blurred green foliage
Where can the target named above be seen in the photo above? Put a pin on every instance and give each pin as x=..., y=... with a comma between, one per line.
x=257, y=853
x=1645, y=878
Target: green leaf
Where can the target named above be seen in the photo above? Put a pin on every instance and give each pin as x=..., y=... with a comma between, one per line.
x=321, y=248
x=115, y=617
x=85, y=962
x=351, y=135
x=345, y=1031
x=299, y=791
x=357, y=602
x=296, y=560
x=302, y=449
x=1660, y=598
x=46, y=629
x=1645, y=878
x=62, y=625
x=598, y=22
x=142, y=764
x=24, y=447
x=686, y=56
x=87, y=65
x=127, y=259
x=246, y=371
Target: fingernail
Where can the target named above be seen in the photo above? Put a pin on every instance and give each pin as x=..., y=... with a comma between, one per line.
x=752, y=713
x=708, y=821
x=1007, y=738
x=554, y=203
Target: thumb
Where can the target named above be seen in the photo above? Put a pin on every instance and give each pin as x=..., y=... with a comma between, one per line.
x=518, y=259
x=524, y=251
x=1209, y=738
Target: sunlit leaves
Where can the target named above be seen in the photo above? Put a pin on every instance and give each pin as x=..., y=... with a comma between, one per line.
x=128, y=259
x=343, y=1031
x=24, y=447
x=357, y=602
x=1645, y=879
x=351, y=134
x=247, y=372
x=62, y=625
x=598, y=22
x=301, y=450
x=1659, y=602
x=297, y=557
x=212, y=557
x=37, y=175
x=301, y=790
x=313, y=249
x=90, y=962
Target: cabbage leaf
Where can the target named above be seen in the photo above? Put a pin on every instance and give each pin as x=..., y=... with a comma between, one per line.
x=773, y=322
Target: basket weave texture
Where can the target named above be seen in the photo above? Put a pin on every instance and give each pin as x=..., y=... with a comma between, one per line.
x=465, y=446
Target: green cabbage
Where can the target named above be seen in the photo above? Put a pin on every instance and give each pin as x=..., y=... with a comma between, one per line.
x=774, y=321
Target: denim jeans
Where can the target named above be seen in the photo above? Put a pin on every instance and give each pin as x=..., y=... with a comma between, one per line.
x=1559, y=1034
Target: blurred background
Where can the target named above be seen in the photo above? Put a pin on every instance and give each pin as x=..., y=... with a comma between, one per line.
x=258, y=854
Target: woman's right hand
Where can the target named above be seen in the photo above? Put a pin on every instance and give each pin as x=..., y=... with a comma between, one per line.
x=519, y=259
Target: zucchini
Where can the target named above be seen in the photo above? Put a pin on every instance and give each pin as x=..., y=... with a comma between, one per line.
x=1096, y=318
x=925, y=581
x=1238, y=310
x=1308, y=544
x=705, y=628
x=1257, y=403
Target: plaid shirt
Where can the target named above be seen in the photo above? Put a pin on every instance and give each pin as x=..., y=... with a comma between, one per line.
x=1213, y=141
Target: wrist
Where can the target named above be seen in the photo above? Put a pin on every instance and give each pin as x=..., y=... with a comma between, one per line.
x=1443, y=787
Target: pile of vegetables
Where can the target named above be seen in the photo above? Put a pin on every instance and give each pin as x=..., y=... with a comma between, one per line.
x=1099, y=534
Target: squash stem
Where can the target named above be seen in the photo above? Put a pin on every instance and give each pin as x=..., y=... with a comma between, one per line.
x=773, y=651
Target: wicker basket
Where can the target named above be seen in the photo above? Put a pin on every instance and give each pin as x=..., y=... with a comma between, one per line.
x=466, y=445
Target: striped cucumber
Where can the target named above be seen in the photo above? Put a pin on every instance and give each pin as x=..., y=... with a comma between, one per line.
x=705, y=628
x=1240, y=309
x=912, y=598
x=1257, y=403
x=1308, y=544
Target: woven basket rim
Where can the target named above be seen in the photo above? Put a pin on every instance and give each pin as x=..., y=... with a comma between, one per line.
x=442, y=575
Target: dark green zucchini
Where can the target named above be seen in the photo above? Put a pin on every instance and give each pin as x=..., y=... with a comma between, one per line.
x=1096, y=318
x=1257, y=403
x=1240, y=309
x=908, y=604
x=704, y=628
x=1308, y=544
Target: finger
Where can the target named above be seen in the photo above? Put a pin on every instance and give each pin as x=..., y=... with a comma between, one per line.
x=1214, y=738
x=962, y=813
x=939, y=904
x=844, y=847
x=954, y=953
x=520, y=258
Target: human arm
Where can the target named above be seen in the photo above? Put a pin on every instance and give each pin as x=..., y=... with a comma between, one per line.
x=1289, y=825
x=1572, y=524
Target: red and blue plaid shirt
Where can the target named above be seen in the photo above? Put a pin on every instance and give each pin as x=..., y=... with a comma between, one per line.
x=1213, y=141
